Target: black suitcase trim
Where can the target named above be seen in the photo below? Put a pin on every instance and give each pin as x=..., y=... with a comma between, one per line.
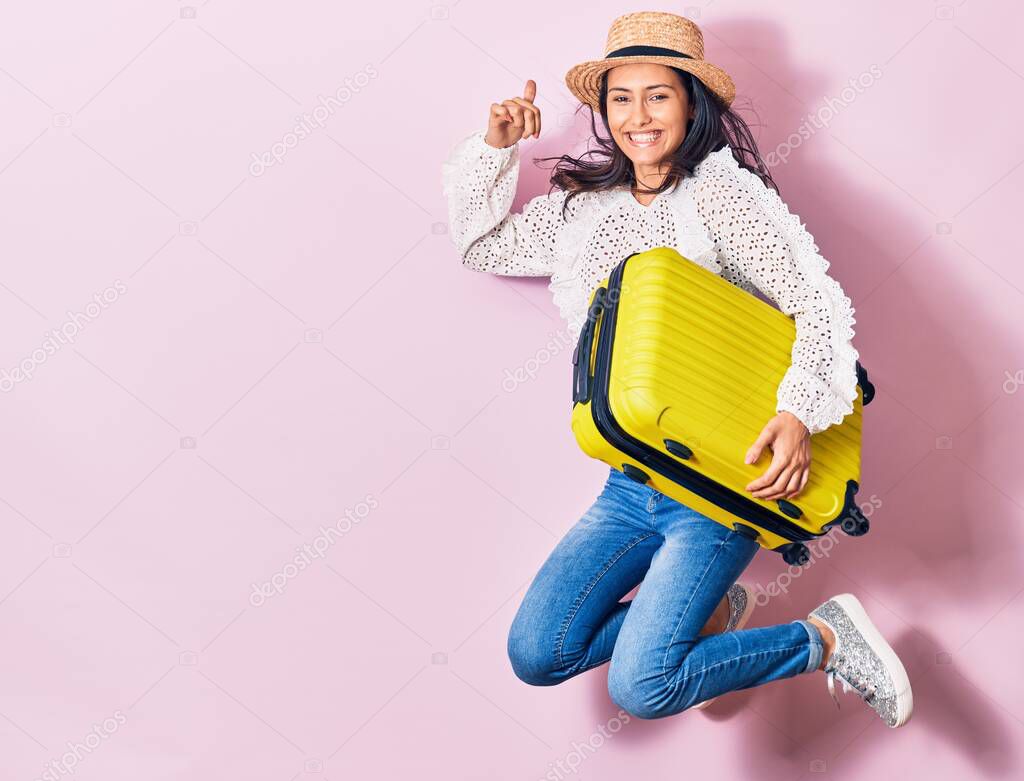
x=594, y=389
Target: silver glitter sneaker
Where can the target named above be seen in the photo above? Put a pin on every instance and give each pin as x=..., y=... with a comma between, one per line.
x=863, y=661
x=741, y=605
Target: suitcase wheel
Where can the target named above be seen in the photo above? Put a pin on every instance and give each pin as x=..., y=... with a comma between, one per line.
x=635, y=473
x=855, y=524
x=867, y=388
x=794, y=554
x=678, y=449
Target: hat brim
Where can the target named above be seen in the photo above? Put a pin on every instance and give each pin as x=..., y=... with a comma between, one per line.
x=584, y=80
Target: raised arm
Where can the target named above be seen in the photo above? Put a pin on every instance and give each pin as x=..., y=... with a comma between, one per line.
x=479, y=181
x=763, y=241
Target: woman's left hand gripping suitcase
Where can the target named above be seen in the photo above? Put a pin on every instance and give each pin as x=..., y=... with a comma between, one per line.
x=675, y=375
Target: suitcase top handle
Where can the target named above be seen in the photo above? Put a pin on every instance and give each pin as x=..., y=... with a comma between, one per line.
x=582, y=378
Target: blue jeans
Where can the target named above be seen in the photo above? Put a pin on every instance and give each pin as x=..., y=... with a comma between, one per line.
x=571, y=619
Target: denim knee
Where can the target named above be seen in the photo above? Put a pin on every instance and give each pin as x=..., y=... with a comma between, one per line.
x=646, y=693
x=641, y=696
x=632, y=697
x=532, y=656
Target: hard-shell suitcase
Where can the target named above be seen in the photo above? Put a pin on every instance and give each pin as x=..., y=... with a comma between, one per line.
x=675, y=374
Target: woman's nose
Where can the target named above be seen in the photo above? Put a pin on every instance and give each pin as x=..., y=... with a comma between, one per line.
x=641, y=116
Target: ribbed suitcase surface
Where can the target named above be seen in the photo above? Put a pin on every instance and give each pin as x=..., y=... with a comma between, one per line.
x=683, y=372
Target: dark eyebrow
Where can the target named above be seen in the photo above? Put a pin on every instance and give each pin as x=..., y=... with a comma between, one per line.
x=651, y=86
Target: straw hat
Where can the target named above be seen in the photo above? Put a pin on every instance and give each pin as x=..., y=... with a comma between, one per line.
x=650, y=36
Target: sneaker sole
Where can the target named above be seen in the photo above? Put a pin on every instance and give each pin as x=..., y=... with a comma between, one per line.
x=740, y=623
x=904, y=695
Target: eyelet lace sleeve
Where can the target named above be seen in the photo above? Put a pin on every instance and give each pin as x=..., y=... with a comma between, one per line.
x=479, y=182
x=760, y=239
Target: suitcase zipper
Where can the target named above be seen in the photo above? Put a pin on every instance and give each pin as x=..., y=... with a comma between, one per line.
x=597, y=388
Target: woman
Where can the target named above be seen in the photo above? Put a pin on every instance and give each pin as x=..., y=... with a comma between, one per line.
x=671, y=173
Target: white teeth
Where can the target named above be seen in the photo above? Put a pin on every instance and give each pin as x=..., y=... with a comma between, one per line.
x=644, y=138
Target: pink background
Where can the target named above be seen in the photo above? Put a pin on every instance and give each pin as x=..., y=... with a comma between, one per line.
x=290, y=342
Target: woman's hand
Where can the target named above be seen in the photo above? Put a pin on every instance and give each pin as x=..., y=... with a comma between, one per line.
x=514, y=119
x=790, y=442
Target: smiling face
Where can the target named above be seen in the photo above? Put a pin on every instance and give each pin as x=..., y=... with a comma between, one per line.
x=648, y=109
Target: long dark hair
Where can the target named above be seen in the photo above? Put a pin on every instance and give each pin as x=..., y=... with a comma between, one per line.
x=714, y=124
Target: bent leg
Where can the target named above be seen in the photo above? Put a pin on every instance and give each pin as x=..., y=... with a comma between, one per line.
x=570, y=616
x=661, y=664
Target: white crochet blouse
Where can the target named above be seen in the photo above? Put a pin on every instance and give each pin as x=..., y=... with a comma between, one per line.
x=723, y=217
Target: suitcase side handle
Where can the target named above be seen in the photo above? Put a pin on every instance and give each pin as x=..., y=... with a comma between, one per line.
x=865, y=384
x=582, y=377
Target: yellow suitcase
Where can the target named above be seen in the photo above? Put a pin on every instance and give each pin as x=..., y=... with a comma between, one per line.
x=674, y=376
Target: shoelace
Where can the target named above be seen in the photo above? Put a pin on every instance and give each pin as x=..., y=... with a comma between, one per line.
x=851, y=680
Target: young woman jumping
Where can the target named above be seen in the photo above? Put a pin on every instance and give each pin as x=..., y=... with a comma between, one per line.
x=675, y=167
